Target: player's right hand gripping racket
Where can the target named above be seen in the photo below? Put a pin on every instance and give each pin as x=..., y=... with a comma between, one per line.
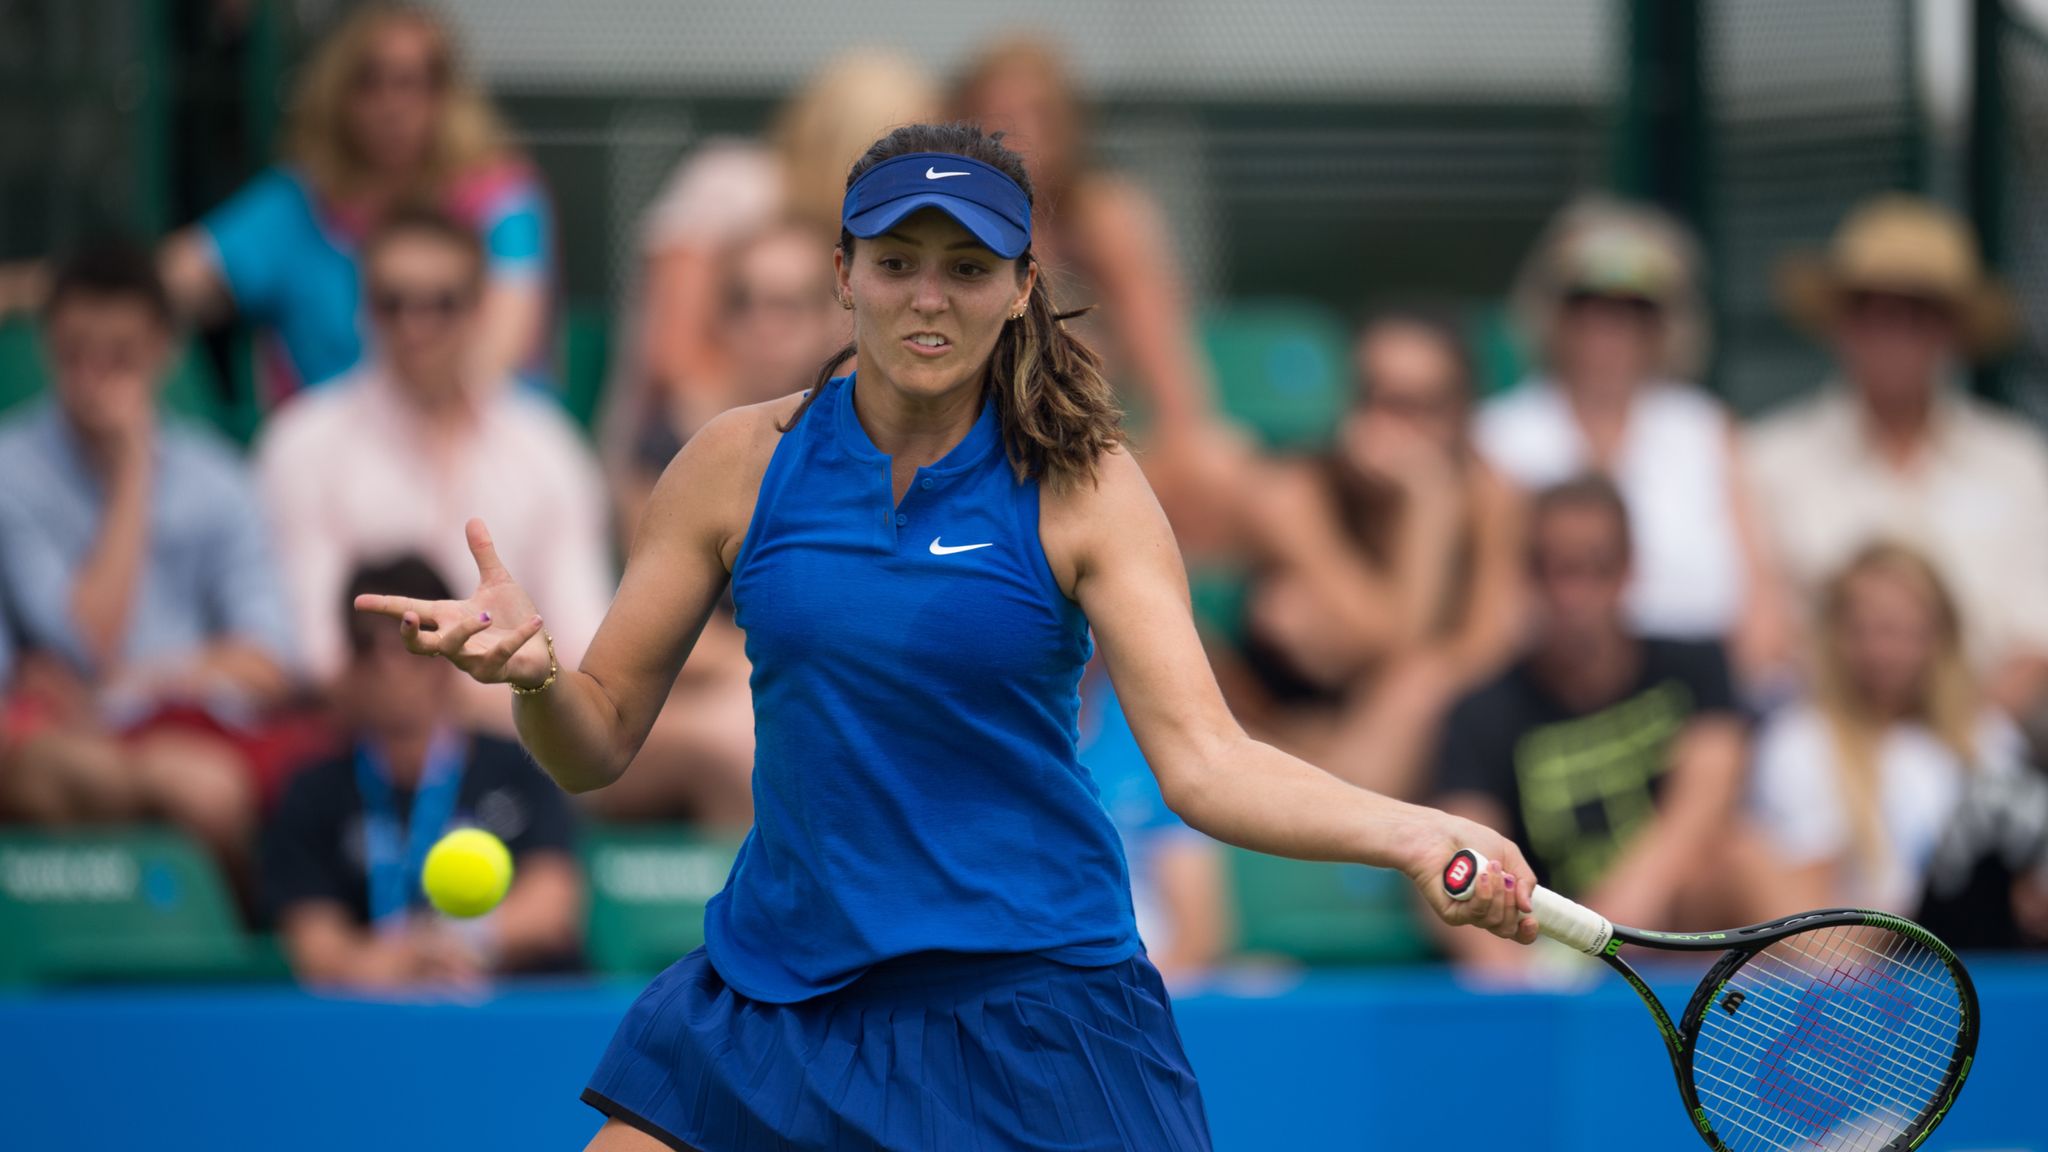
x=1840, y=1029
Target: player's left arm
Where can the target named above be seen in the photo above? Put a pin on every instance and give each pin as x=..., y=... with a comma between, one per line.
x=1111, y=550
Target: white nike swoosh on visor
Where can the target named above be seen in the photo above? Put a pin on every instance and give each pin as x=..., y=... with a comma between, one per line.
x=939, y=549
x=935, y=174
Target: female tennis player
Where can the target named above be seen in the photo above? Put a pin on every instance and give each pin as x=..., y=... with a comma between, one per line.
x=926, y=941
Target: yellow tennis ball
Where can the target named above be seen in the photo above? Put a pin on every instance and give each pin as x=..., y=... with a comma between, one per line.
x=467, y=872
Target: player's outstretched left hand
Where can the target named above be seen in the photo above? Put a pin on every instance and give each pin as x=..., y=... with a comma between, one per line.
x=492, y=636
x=1500, y=898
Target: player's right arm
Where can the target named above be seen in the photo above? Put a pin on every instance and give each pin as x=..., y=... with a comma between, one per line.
x=587, y=726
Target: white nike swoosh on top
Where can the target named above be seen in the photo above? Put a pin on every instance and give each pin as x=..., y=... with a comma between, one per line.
x=934, y=174
x=939, y=549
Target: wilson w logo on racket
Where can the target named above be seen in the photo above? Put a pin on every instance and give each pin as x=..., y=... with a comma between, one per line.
x=1458, y=874
x=1840, y=1030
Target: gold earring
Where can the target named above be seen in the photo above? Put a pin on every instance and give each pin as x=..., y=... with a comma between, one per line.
x=846, y=302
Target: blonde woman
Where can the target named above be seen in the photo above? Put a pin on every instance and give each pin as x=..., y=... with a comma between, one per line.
x=383, y=116
x=1610, y=302
x=1856, y=786
x=675, y=370
x=1105, y=240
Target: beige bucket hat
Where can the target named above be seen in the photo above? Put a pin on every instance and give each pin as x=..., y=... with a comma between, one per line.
x=1909, y=246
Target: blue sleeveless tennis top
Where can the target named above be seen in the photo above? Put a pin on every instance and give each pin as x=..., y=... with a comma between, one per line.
x=916, y=682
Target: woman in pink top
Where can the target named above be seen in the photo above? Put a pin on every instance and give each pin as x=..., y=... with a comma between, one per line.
x=1104, y=241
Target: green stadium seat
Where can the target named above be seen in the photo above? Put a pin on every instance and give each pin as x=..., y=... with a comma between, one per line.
x=1281, y=370
x=1496, y=351
x=586, y=359
x=1218, y=594
x=126, y=904
x=1326, y=915
x=648, y=888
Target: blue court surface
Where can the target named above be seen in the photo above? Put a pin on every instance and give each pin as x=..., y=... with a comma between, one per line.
x=1389, y=1059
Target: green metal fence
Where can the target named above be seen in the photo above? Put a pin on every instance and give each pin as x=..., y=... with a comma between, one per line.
x=2009, y=185
x=1759, y=120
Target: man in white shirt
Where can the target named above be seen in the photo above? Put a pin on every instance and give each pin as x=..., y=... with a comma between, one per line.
x=397, y=456
x=1892, y=450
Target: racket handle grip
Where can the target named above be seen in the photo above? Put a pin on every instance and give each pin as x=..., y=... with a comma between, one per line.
x=1566, y=921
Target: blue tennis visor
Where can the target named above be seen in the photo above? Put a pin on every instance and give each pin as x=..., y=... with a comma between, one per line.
x=985, y=201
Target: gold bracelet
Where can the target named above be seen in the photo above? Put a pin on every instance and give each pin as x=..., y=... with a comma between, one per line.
x=554, y=669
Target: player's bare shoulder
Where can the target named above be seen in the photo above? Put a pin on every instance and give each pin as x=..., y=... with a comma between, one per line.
x=707, y=492
x=1080, y=522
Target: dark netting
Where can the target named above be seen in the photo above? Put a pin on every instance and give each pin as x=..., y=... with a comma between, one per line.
x=2018, y=235
x=76, y=153
x=1337, y=153
x=1811, y=107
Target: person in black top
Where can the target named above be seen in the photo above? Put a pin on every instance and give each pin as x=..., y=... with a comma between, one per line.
x=341, y=858
x=1614, y=760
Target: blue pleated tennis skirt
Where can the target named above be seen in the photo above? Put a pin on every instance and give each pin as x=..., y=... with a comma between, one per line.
x=938, y=1051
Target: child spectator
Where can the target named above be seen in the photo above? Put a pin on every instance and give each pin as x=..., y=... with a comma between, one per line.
x=342, y=856
x=1856, y=785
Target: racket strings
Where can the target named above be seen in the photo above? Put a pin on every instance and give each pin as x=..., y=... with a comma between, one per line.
x=1924, y=1044
x=1827, y=1064
x=1911, y=1061
x=1841, y=1037
x=1803, y=1110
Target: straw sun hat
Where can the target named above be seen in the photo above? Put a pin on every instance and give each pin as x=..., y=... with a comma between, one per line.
x=1608, y=247
x=1907, y=246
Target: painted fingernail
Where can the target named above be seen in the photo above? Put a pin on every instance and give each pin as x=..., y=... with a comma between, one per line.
x=484, y=616
x=1509, y=880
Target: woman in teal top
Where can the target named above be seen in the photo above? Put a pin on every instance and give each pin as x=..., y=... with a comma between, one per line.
x=926, y=942
x=384, y=115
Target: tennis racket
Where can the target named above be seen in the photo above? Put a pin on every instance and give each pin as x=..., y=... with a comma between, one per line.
x=1839, y=1029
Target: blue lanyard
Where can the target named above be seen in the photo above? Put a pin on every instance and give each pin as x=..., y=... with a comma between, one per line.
x=392, y=857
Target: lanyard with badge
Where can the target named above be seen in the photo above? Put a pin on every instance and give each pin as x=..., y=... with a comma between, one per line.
x=393, y=857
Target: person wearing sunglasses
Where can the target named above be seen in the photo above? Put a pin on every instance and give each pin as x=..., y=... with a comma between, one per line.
x=341, y=855
x=1609, y=301
x=398, y=454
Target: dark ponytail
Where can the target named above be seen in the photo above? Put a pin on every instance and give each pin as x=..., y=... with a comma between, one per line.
x=1057, y=412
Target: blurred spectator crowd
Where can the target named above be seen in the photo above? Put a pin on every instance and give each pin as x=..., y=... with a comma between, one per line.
x=1704, y=671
